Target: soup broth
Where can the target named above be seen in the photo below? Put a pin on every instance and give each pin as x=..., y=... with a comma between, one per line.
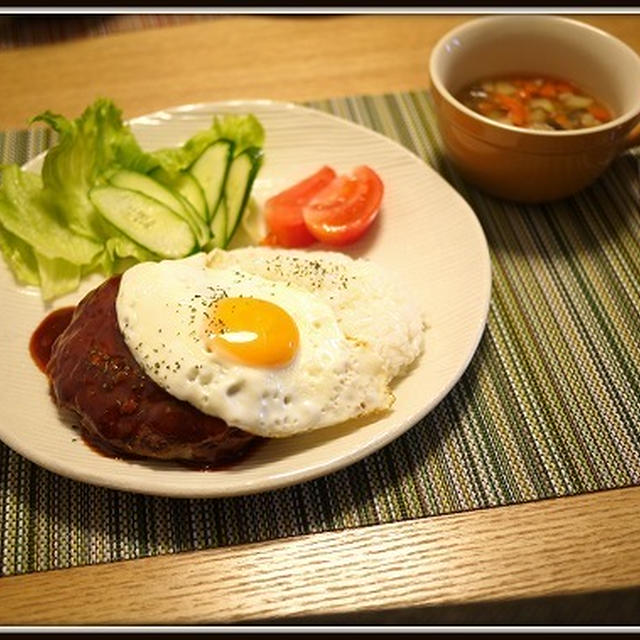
x=535, y=102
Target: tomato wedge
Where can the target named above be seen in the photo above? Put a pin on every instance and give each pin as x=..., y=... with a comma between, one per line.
x=343, y=210
x=283, y=212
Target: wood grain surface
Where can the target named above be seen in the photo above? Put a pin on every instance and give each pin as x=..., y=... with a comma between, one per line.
x=276, y=57
x=562, y=546
x=571, y=545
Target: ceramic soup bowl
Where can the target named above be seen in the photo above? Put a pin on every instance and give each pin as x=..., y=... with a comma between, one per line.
x=530, y=165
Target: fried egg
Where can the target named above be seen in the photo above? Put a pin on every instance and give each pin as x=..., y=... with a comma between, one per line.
x=369, y=303
x=272, y=342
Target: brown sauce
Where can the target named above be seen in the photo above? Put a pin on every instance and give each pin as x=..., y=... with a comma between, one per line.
x=47, y=333
x=117, y=409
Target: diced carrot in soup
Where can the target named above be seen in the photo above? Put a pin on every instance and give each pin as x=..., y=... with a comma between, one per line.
x=599, y=113
x=548, y=90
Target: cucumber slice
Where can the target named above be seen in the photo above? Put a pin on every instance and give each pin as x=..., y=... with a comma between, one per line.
x=185, y=185
x=150, y=187
x=189, y=188
x=145, y=220
x=218, y=226
x=210, y=170
x=242, y=173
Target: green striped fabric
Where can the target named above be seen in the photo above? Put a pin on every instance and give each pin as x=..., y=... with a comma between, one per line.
x=550, y=405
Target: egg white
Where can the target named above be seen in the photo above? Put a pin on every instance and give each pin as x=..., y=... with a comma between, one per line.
x=335, y=376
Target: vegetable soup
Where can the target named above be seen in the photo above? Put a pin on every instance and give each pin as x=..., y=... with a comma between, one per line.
x=535, y=102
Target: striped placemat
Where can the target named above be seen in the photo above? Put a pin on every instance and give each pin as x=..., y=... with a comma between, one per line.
x=550, y=405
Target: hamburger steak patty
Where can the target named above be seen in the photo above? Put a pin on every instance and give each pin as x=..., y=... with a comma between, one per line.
x=121, y=410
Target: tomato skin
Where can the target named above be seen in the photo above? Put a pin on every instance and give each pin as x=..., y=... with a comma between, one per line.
x=287, y=228
x=341, y=212
x=283, y=212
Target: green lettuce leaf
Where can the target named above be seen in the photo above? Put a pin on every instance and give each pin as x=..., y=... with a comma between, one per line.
x=24, y=213
x=20, y=257
x=119, y=253
x=57, y=276
x=244, y=130
x=121, y=246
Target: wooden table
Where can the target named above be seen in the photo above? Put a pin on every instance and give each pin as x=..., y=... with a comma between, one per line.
x=390, y=573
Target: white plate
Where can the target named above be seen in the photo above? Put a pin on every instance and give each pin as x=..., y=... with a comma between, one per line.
x=427, y=235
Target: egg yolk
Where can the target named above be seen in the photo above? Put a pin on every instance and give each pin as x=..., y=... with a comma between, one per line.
x=253, y=331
